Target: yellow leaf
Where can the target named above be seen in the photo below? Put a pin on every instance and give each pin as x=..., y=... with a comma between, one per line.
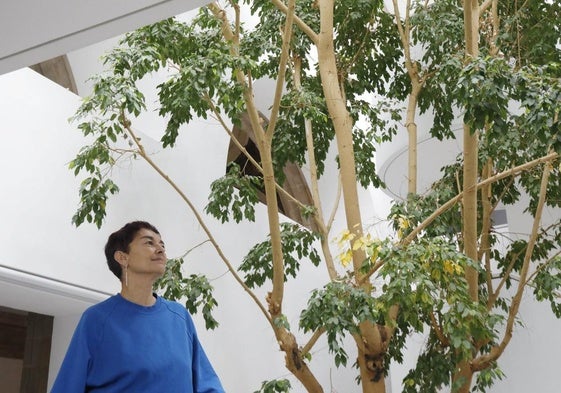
x=403, y=222
x=362, y=242
x=346, y=257
x=449, y=267
x=452, y=267
x=435, y=274
x=459, y=269
x=345, y=237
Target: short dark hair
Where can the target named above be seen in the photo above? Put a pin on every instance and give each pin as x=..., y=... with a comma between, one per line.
x=121, y=240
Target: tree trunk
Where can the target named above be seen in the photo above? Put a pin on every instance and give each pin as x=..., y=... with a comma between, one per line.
x=412, y=132
x=287, y=341
x=464, y=372
x=372, y=381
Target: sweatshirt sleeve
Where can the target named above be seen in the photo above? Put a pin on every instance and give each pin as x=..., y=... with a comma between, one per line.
x=205, y=379
x=73, y=372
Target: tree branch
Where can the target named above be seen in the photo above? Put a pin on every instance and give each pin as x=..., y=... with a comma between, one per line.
x=309, y=345
x=318, y=214
x=438, y=330
x=486, y=192
x=142, y=152
x=299, y=22
x=335, y=205
x=493, y=296
x=247, y=155
x=283, y=62
x=483, y=361
x=510, y=172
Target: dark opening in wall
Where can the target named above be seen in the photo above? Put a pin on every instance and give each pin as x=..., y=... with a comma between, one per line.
x=25, y=347
x=59, y=71
x=295, y=183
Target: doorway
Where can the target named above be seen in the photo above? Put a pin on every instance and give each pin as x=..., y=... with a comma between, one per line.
x=25, y=346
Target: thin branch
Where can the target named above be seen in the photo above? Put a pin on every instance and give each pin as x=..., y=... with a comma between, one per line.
x=542, y=266
x=438, y=330
x=403, y=32
x=242, y=148
x=493, y=296
x=318, y=214
x=283, y=62
x=335, y=205
x=483, y=361
x=373, y=270
x=229, y=36
x=361, y=45
x=483, y=7
x=146, y=157
x=486, y=192
x=299, y=22
x=309, y=345
x=510, y=172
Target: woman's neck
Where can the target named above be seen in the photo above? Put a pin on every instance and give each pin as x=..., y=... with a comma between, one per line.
x=141, y=295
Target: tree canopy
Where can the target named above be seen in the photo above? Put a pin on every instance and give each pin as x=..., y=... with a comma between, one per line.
x=351, y=75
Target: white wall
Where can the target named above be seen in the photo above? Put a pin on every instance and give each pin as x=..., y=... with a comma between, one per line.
x=63, y=328
x=38, y=191
x=39, y=196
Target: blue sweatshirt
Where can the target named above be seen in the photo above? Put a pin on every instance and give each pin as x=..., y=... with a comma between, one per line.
x=120, y=346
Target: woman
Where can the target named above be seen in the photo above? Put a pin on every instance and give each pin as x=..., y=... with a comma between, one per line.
x=136, y=341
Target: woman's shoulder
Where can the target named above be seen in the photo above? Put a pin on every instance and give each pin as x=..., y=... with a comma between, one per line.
x=176, y=309
x=172, y=305
x=102, y=308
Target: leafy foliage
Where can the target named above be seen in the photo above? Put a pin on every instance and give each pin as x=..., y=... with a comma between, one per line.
x=289, y=140
x=194, y=290
x=427, y=281
x=94, y=192
x=338, y=308
x=537, y=44
x=547, y=284
x=275, y=386
x=297, y=244
x=234, y=195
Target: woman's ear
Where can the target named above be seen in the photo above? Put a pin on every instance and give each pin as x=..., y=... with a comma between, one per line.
x=121, y=257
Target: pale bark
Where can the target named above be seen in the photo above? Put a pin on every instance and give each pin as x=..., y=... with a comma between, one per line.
x=484, y=361
x=485, y=248
x=371, y=346
x=470, y=136
x=293, y=357
x=318, y=214
x=412, y=134
x=404, y=29
x=464, y=372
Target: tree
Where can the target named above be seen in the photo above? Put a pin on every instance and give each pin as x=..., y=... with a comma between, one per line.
x=444, y=272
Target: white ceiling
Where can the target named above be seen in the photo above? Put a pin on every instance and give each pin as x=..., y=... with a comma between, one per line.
x=31, y=292
x=35, y=30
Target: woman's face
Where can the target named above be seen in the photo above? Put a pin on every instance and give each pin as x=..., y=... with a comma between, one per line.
x=146, y=255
